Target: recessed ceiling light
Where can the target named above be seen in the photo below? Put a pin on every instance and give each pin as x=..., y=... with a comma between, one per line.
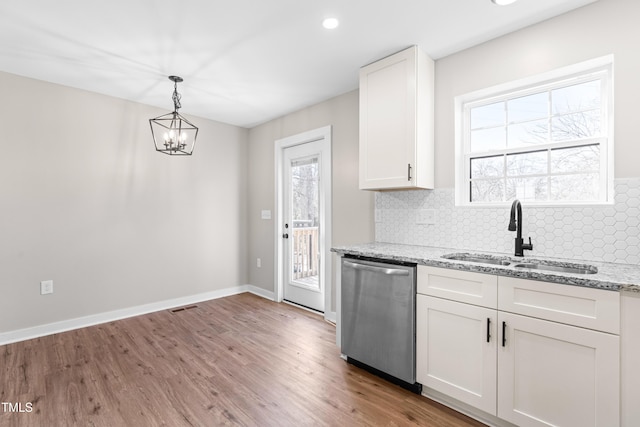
x=503, y=2
x=330, y=23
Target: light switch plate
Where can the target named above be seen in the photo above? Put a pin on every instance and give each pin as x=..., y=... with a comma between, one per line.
x=46, y=287
x=265, y=214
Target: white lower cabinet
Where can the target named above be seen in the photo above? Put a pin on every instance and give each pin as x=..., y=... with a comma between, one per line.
x=456, y=350
x=550, y=374
x=522, y=369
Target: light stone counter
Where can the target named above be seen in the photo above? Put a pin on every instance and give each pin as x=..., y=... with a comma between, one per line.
x=614, y=277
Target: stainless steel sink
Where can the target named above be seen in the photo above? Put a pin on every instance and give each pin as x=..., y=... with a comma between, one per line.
x=478, y=259
x=574, y=268
x=533, y=265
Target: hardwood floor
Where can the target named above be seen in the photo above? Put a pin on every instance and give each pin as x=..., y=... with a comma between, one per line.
x=240, y=360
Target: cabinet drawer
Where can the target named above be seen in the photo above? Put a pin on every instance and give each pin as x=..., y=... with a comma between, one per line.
x=463, y=286
x=573, y=305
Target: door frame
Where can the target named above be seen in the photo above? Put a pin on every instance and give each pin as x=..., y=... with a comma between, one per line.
x=321, y=134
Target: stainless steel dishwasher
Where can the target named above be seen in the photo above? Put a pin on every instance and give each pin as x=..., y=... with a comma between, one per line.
x=378, y=321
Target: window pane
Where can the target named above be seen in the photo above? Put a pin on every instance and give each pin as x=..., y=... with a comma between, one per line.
x=487, y=190
x=488, y=139
x=486, y=167
x=539, y=142
x=580, y=97
x=305, y=202
x=582, y=187
x=575, y=159
x=585, y=124
x=534, y=163
x=529, y=133
x=488, y=115
x=528, y=107
x=527, y=188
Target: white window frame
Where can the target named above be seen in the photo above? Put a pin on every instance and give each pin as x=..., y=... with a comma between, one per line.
x=573, y=74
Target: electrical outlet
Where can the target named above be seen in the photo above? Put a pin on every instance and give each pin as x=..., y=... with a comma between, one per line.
x=259, y=263
x=46, y=287
x=426, y=216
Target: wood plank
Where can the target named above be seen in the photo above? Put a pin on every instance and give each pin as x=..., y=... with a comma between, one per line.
x=240, y=360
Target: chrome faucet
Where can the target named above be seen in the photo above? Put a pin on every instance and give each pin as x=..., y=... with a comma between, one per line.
x=516, y=225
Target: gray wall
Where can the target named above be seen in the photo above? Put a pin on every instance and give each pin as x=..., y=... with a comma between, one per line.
x=86, y=201
x=605, y=27
x=595, y=233
x=352, y=209
x=602, y=28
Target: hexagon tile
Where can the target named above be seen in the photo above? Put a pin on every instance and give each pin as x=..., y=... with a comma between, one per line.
x=591, y=233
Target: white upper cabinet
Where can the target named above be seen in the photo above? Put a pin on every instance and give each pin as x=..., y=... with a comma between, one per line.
x=396, y=122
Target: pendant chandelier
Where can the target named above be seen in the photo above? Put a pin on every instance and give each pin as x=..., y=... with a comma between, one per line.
x=172, y=133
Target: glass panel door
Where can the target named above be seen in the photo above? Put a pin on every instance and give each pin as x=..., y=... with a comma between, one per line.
x=305, y=218
x=303, y=225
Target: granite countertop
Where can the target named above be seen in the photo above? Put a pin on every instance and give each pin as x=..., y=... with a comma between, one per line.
x=614, y=277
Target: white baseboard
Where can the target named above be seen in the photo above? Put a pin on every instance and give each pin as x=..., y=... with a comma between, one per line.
x=330, y=316
x=260, y=292
x=110, y=316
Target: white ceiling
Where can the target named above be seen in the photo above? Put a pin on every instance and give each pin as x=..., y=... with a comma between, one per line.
x=244, y=62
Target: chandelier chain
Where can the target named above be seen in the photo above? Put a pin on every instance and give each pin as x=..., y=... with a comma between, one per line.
x=176, y=97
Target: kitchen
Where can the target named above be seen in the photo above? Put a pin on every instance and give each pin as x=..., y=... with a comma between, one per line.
x=556, y=232
x=602, y=28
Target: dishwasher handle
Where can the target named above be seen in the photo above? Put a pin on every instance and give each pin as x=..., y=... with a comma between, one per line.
x=373, y=268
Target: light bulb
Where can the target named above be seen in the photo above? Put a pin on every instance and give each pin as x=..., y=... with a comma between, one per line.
x=330, y=23
x=503, y=2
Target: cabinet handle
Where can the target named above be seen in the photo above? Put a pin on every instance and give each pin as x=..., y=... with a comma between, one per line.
x=488, y=329
x=408, y=171
x=504, y=334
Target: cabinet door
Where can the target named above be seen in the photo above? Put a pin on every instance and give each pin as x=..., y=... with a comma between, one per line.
x=551, y=374
x=387, y=130
x=396, y=125
x=456, y=350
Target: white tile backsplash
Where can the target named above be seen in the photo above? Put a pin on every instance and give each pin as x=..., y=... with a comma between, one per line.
x=608, y=233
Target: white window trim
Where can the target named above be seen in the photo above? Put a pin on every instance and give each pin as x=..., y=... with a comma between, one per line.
x=531, y=85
